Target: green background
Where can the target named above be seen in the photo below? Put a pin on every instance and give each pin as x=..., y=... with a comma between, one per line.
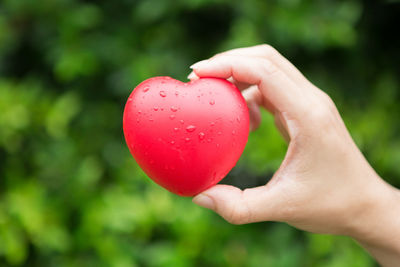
x=70, y=192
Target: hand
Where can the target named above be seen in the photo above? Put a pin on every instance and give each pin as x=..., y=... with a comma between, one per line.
x=324, y=184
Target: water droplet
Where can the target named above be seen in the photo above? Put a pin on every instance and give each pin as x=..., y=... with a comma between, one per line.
x=219, y=133
x=172, y=142
x=174, y=109
x=145, y=89
x=233, y=132
x=212, y=102
x=190, y=128
x=181, y=121
x=176, y=93
x=130, y=99
x=187, y=139
x=238, y=119
x=162, y=109
x=212, y=123
x=172, y=117
x=217, y=145
x=139, y=112
x=137, y=120
x=176, y=129
x=209, y=140
x=151, y=120
x=201, y=135
x=155, y=108
x=163, y=94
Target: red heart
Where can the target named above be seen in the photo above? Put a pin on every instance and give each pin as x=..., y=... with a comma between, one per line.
x=186, y=136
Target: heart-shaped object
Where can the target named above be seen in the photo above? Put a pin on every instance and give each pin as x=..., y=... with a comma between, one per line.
x=186, y=136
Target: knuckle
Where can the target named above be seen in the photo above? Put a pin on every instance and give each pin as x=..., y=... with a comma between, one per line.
x=320, y=115
x=268, y=49
x=238, y=215
x=268, y=67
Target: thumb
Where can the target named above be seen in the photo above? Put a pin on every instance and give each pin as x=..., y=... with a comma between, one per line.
x=239, y=206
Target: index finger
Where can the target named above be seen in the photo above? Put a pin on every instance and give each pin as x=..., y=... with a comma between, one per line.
x=276, y=87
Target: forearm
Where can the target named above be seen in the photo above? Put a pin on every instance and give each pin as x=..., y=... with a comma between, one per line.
x=379, y=231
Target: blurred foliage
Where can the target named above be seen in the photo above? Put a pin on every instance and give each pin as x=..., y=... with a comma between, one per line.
x=71, y=194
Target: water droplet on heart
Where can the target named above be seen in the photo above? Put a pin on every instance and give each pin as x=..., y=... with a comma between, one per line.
x=238, y=119
x=172, y=142
x=212, y=102
x=209, y=140
x=174, y=109
x=139, y=112
x=155, y=108
x=233, y=132
x=190, y=128
x=176, y=129
x=162, y=109
x=201, y=135
x=176, y=93
x=151, y=120
x=137, y=120
x=217, y=145
x=212, y=123
x=130, y=99
x=219, y=133
x=163, y=94
x=181, y=121
x=187, y=139
x=145, y=89
x=172, y=117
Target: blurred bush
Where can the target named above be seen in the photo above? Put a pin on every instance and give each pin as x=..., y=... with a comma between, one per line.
x=71, y=194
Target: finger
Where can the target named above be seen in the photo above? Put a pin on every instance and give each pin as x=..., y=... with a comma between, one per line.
x=275, y=86
x=250, y=97
x=192, y=76
x=241, y=86
x=253, y=98
x=275, y=57
x=240, y=207
x=255, y=116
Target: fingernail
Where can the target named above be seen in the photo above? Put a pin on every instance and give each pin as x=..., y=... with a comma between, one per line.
x=251, y=126
x=191, y=76
x=198, y=64
x=204, y=201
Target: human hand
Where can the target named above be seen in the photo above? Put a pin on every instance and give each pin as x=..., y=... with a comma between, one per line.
x=324, y=184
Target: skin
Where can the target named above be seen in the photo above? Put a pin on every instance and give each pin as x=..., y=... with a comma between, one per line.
x=324, y=184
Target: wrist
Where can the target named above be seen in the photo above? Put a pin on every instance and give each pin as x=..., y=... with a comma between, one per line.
x=377, y=223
